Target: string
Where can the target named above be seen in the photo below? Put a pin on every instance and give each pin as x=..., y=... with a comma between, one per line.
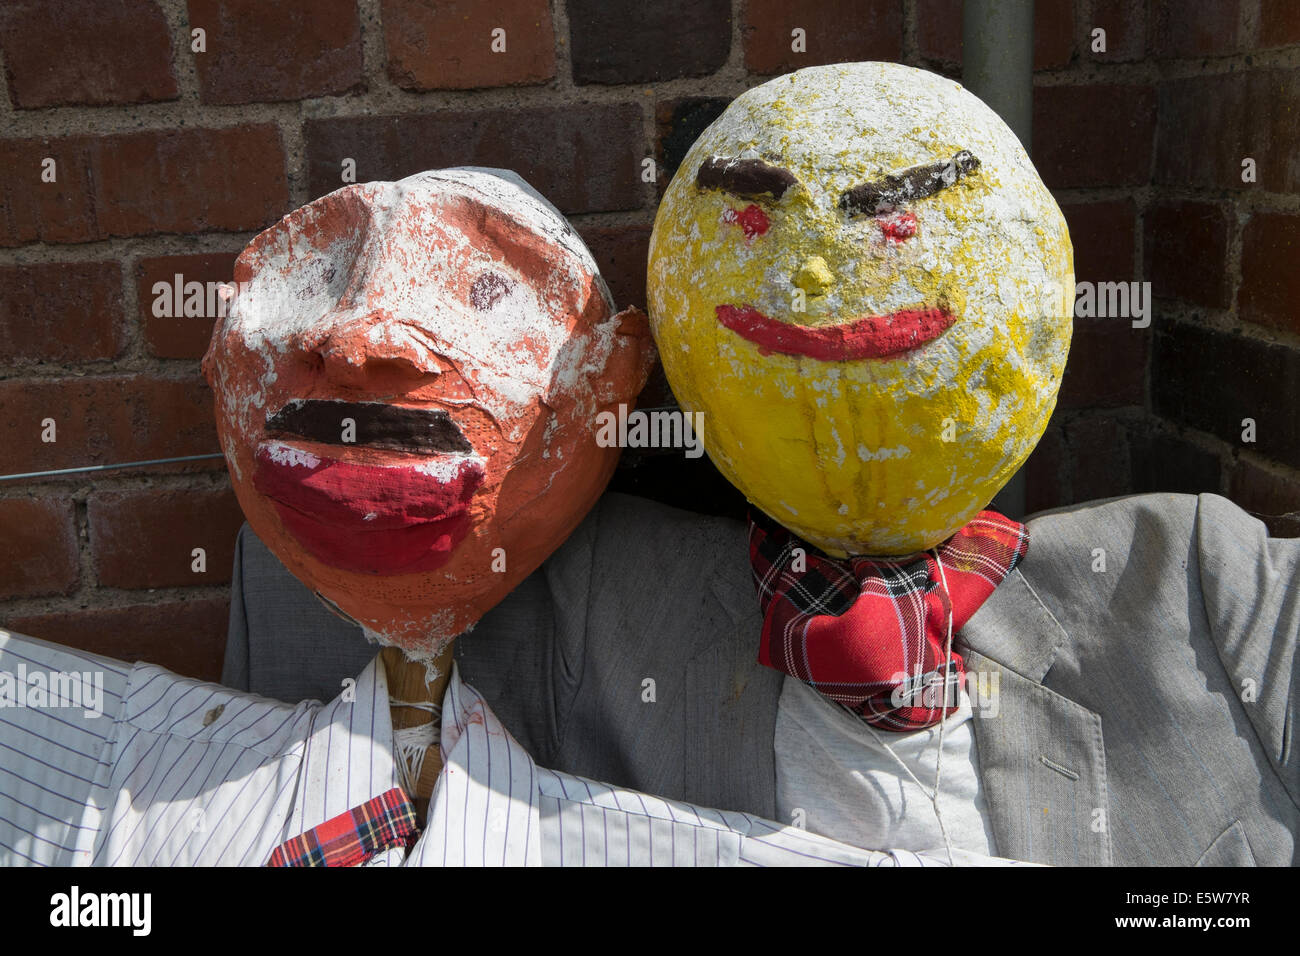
x=413, y=743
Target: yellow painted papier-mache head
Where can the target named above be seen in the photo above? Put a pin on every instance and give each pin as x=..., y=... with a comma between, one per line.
x=859, y=279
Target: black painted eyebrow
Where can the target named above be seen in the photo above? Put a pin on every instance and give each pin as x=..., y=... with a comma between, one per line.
x=918, y=182
x=748, y=178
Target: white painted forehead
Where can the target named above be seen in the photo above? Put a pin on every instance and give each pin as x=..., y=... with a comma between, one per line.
x=506, y=190
x=875, y=113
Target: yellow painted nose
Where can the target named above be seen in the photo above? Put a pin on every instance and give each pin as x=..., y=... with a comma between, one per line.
x=814, y=276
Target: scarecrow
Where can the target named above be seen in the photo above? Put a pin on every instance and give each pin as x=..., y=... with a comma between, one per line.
x=859, y=280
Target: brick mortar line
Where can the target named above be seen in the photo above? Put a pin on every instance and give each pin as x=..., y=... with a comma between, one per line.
x=911, y=44
x=733, y=68
x=1088, y=70
x=109, y=119
x=6, y=104
x=1225, y=320
x=1253, y=197
x=1248, y=22
x=184, y=66
x=374, y=58
x=1228, y=453
x=87, y=579
x=293, y=143
x=1083, y=20
x=87, y=485
x=1274, y=469
x=107, y=599
x=1212, y=445
x=177, y=115
x=151, y=246
x=563, y=34
x=172, y=370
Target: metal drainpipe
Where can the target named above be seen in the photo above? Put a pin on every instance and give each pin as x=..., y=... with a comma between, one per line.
x=998, y=67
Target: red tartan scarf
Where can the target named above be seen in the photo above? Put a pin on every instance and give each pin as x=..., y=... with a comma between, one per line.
x=870, y=632
x=354, y=836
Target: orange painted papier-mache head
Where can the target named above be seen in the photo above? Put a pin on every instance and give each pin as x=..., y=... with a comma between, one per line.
x=407, y=379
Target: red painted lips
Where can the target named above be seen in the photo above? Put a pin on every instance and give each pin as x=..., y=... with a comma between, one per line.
x=874, y=336
x=377, y=519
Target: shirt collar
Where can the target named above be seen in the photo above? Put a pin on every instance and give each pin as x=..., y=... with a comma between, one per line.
x=485, y=805
x=347, y=759
x=476, y=818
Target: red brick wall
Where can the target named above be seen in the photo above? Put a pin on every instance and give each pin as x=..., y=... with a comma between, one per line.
x=168, y=161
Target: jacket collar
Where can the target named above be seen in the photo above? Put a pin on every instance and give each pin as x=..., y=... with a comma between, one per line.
x=1041, y=756
x=1030, y=646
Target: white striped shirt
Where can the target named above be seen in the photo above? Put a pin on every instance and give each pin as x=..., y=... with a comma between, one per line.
x=178, y=772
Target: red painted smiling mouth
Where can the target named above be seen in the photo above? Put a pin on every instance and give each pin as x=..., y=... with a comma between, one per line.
x=873, y=336
x=376, y=519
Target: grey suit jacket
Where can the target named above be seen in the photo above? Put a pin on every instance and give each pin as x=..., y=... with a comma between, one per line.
x=1143, y=652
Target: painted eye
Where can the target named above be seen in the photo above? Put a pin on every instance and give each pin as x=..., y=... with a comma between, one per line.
x=752, y=220
x=489, y=289
x=897, y=226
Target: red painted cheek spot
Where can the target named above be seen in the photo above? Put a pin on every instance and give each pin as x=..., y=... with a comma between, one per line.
x=752, y=220
x=898, y=226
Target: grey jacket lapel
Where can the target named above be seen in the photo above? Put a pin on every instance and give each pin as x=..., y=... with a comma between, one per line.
x=1041, y=758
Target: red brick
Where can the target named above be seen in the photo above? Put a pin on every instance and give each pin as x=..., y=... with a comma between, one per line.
x=1204, y=28
x=678, y=124
x=1279, y=23
x=263, y=52
x=582, y=158
x=621, y=252
x=145, y=539
x=448, y=46
x=1212, y=381
x=190, y=180
x=1163, y=462
x=1125, y=24
x=1209, y=124
x=60, y=312
x=184, y=636
x=1270, y=277
x=1107, y=365
x=1043, y=479
x=31, y=210
x=1053, y=34
x=38, y=547
x=1098, y=459
x=86, y=52
x=939, y=30
x=1103, y=234
x=1071, y=122
x=178, y=336
x=631, y=41
x=835, y=31
x=1272, y=497
x=1185, y=246
x=105, y=419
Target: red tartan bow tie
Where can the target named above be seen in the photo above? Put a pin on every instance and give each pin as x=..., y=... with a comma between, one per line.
x=870, y=632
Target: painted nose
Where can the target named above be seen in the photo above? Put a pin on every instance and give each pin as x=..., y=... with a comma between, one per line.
x=814, y=276
x=369, y=353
